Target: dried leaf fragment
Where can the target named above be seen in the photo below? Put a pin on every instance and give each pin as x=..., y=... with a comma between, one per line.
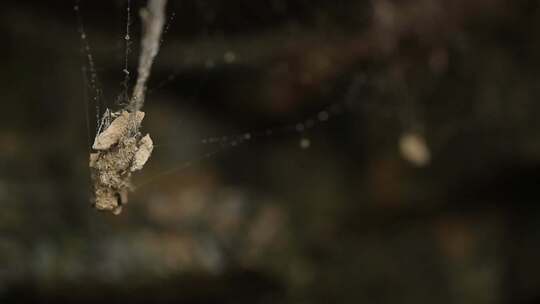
x=143, y=153
x=120, y=126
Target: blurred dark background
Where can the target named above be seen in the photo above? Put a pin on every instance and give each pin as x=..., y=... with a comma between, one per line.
x=355, y=151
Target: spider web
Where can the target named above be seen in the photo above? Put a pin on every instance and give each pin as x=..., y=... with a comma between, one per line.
x=352, y=99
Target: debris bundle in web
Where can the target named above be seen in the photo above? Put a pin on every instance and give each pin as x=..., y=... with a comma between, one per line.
x=119, y=147
x=121, y=150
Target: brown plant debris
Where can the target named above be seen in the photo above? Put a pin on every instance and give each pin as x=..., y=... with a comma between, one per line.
x=121, y=150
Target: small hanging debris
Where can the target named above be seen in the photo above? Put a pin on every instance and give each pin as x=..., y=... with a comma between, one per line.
x=120, y=149
x=414, y=149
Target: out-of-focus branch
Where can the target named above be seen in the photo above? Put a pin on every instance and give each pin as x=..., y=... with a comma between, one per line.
x=153, y=18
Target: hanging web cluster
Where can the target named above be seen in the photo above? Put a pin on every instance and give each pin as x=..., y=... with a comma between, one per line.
x=120, y=149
